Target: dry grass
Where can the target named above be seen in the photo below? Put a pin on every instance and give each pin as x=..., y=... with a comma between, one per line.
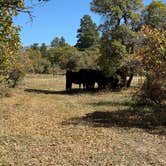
x=42, y=125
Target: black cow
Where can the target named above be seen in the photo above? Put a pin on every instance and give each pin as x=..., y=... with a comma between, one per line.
x=90, y=77
x=87, y=77
x=72, y=77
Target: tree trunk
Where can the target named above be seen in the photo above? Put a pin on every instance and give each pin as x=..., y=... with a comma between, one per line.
x=129, y=80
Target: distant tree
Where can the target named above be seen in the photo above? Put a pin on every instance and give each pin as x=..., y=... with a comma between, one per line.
x=62, y=42
x=58, y=42
x=35, y=46
x=54, y=54
x=43, y=50
x=34, y=62
x=70, y=58
x=154, y=15
x=67, y=57
x=27, y=60
x=88, y=35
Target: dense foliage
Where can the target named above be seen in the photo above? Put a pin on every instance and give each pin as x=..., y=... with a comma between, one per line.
x=153, y=59
x=9, y=41
x=11, y=69
x=58, y=42
x=87, y=34
x=119, y=35
x=121, y=41
x=122, y=44
x=155, y=15
x=45, y=59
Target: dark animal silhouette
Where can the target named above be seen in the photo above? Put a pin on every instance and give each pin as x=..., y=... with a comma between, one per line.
x=86, y=77
x=72, y=77
x=89, y=78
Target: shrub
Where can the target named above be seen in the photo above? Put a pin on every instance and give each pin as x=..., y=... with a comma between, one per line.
x=153, y=60
x=153, y=90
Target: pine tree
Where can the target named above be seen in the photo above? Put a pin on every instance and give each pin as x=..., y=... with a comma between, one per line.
x=87, y=33
x=58, y=42
x=43, y=50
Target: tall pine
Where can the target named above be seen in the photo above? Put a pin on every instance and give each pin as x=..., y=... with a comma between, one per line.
x=88, y=35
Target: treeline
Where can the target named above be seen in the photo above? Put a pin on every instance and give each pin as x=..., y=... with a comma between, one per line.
x=59, y=55
x=132, y=36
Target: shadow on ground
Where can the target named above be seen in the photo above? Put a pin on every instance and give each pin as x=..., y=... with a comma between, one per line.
x=73, y=92
x=148, y=119
x=112, y=103
x=41, y=91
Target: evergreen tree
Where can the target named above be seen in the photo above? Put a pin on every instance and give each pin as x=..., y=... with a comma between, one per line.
x=87, y=33
x=35, y=46
x=58, y=42
x=43, y=50
x=62, y=42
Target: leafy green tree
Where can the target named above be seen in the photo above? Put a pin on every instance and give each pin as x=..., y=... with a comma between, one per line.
x=27, y=60
x=117, y=12
x=58, y=42
x=54, y=54
x=87, y=33
x=67, y=57
x=70, y=58
x=34, y=62
x=152, y=56
x=155, y=15
x=35, y=46
x=122, y=19
x=10, y=39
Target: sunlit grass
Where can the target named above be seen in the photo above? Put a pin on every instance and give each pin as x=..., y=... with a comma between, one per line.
x=42, y=125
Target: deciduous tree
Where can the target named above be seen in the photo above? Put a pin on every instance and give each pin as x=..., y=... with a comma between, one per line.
x=154, y=15
x=10, y=39
x=152, y=56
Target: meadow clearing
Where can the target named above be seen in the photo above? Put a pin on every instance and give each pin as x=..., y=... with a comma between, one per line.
x=42, y=125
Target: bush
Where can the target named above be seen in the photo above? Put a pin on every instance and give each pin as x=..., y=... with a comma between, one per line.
x=15, y=76
x=153, y=60
x=41, y=66
x=153, y=90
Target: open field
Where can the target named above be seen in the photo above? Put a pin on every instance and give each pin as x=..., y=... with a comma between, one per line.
x=42, y=125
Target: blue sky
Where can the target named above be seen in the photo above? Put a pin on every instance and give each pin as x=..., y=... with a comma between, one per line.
x=55, y=19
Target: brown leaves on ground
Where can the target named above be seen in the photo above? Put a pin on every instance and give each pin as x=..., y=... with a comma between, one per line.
x=42, y=125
